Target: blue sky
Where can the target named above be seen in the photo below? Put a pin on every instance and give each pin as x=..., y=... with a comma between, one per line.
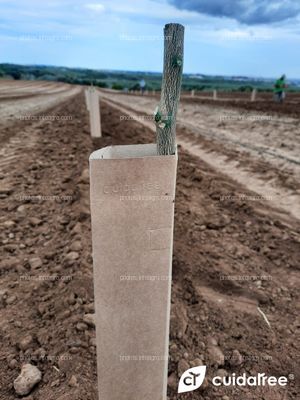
x=226, y=37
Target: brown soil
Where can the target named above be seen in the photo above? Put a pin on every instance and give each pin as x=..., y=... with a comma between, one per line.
x=264, y=102
x=215, y=241
x=256, y=163
x=289, y=107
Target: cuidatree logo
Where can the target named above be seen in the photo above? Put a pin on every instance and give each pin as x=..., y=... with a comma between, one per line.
x=193, y=378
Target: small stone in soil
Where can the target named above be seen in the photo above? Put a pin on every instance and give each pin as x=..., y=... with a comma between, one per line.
x=89, y=319
x=35, y=221
x=35, y=263
x=28, y=378
x=10, y=300
x=81, y=326
x=73, y=381
x=9, y=224
x=73, y=255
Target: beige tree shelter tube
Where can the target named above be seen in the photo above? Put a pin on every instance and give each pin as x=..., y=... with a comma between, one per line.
x=253, y=94
x=132, y=208
x=92, y=105
x=87, y=98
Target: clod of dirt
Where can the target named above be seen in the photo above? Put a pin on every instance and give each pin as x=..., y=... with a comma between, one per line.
x=35, y=221
x=85, y=176
x=196, y=363
x=22, y=209
x=77, y=228
x=178, y=321
x=25, y=342
x=73, y=381
x=9, y=224
x=28, y=378
x=236, y=358
x=172, y=381
x=35, y=263
x=222, y=372
x=89, y=319
x=10, y=300
x=76, y=246
x=3, y=295
x=216, y=355
x=81, y=326
x=212, y=341
x=183, y=365
x=73, y=255
x=13, y=363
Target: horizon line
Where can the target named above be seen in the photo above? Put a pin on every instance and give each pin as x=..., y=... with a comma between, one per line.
x=147, y=71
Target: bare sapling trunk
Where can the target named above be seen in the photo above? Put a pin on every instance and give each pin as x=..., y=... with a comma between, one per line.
x=165, y=114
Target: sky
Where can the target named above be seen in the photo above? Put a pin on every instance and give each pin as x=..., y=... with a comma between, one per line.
x=222, y=37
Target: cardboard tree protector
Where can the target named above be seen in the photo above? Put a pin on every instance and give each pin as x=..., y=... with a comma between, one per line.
x=253, y=95
x=132, y=208
x=87, y=99
x=215, y=96
x=95, y=124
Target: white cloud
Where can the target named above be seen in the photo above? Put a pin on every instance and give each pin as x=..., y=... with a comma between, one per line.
x=98, y=7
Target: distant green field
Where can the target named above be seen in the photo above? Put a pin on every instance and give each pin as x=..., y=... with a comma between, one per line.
x=121, y=80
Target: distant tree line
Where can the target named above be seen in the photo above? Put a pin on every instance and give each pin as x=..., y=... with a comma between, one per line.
x=121, y=80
